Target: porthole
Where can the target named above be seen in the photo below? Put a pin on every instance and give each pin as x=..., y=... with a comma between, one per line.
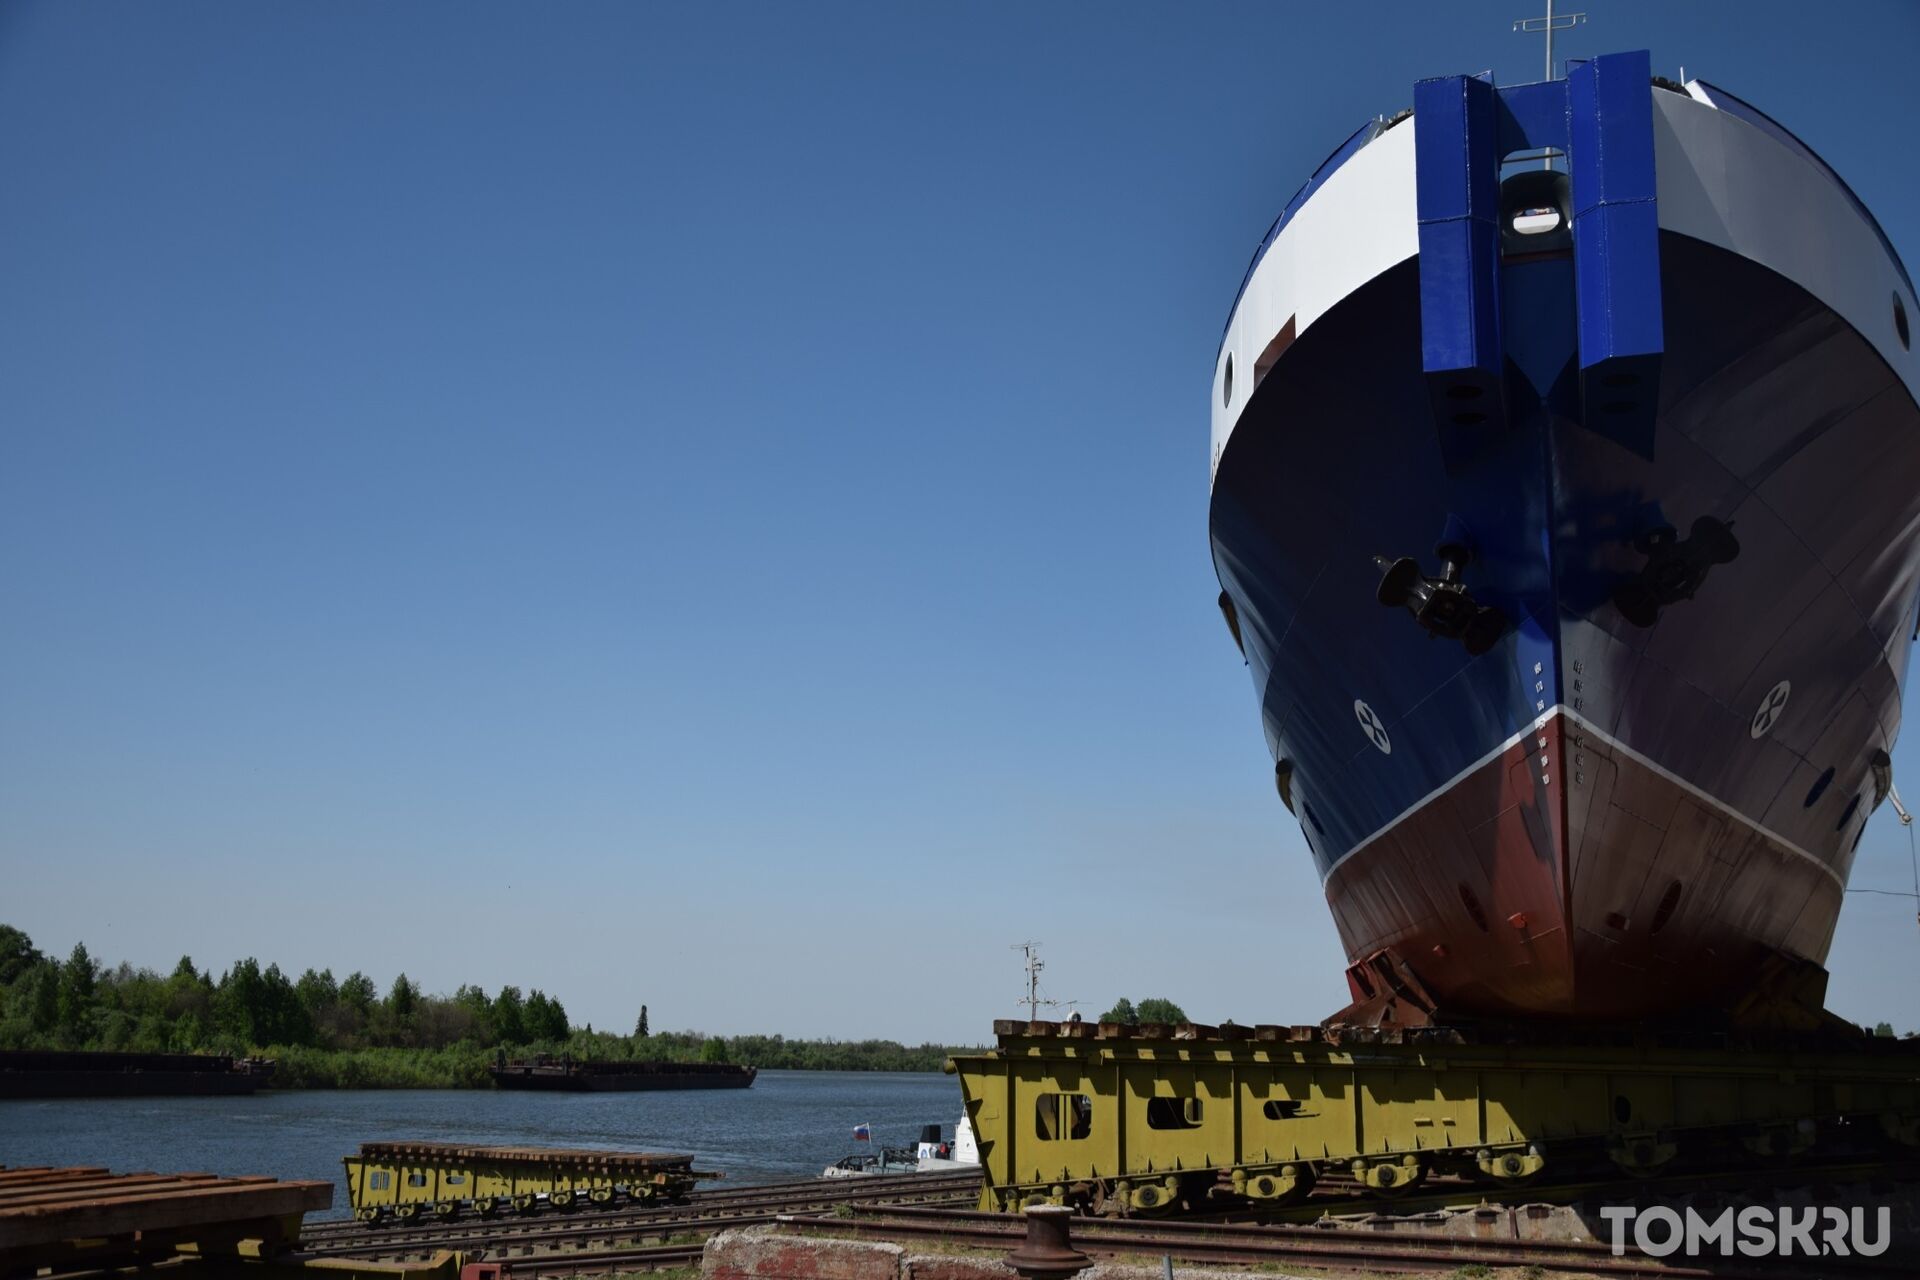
x=1472, y=904
x=1819, y=789
x=1900, y=324
x=1846, y=814
x=1664, y=912
x=1314, y=818
x=1226, y=384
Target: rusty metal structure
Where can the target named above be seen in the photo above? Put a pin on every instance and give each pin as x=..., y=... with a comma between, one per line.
x=405, y=1181
x=81, y=1222
x=1156, y=1119
x=79, y=1219
x=1470, y=1241
x=1048, y=1253
x=624, y=1225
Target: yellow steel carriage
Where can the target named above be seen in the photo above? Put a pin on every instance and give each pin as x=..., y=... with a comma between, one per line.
x=409, y=1180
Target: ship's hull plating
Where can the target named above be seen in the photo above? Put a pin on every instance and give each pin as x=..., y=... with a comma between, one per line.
x=1594, y=818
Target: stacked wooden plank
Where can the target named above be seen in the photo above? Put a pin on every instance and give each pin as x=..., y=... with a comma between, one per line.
x=47, y=1213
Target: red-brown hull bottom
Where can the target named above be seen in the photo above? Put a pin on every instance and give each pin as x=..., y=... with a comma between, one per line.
x=1565, y=877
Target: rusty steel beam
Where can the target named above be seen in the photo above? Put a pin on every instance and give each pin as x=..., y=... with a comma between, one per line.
x=55, y=1212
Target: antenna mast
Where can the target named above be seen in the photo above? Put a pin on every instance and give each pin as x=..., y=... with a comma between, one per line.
x=1033, y=999
x=1549, y=25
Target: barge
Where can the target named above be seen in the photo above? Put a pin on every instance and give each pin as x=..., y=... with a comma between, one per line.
x=35, y=1073
x=592, y=1076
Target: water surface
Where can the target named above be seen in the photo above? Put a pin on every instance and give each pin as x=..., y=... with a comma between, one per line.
x=790, y=1124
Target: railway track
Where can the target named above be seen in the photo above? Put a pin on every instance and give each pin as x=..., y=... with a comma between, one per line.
x=1349, y=1230
x=603, y=1262
x=703, y=1212
x=1335, y=1199
x=1228, y=1244
x=851, y=1189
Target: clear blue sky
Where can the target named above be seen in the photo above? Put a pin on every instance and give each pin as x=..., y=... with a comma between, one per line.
x=704, y=504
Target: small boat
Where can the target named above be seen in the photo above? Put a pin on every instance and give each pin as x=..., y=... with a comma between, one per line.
x=885, y=1160
x=934, y=1153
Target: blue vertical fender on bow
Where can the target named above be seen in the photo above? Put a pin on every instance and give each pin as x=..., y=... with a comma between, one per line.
x=1457, y=191
x=1616, y=239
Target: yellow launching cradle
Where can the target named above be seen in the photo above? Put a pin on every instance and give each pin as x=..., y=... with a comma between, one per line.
x=1124, y=1120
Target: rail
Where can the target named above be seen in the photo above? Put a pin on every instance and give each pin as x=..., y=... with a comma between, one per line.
x=1219, y=1244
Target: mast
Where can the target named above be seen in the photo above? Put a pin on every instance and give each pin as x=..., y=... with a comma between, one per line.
x=1548, y=25
x=1033, y=999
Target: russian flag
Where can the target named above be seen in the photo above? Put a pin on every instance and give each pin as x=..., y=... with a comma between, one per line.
x=863, y=1133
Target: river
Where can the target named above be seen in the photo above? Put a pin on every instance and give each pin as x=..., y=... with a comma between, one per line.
x=790, y=1124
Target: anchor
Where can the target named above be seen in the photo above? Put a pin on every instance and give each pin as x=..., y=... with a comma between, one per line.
x=1442, y=606
x=1675, y=569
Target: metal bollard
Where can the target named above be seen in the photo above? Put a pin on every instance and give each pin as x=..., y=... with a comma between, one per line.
x=1047, y=1253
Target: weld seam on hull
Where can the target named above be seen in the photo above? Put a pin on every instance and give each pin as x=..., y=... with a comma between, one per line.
x=1718, y=805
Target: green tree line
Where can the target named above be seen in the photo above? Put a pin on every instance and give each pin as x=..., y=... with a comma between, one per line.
x=1153, y=1009
x=344, y=1033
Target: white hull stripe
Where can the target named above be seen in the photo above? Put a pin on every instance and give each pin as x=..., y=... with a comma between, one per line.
x=1711, y=802
x=1531, y=730
x=1719, y=806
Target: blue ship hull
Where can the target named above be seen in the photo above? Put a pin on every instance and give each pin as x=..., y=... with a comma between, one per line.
x=1703, y=564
